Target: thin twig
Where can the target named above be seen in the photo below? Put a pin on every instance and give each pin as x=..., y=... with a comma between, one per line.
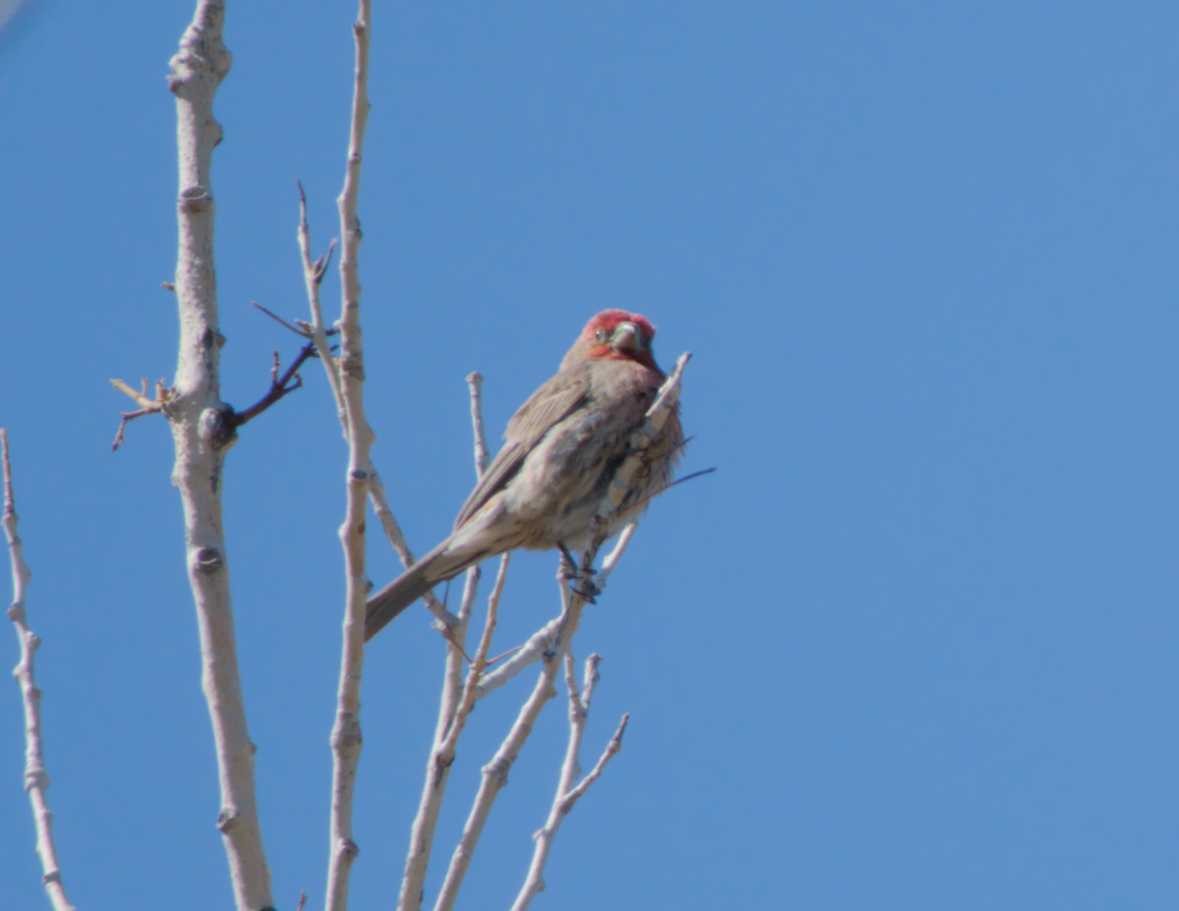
x=312, y=278
x=280, y=387
x=506, y=653
x=286, y=324
x=139, y=396
x=457, y=698
x=146, y=405
x=615, y=554
x=611, y=749
x=475, y=384
x=36, y=775
x=456, y=657
x=346, y=734
x=425, y=821
x=567, y=793
x=538, y=644
x=669, y=391
x=446, y=749
x=589, y=683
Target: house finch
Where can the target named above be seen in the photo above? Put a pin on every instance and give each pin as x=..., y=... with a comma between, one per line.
x=561, y=450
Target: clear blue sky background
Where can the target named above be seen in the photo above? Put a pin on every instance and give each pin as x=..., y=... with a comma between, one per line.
x=914, y=646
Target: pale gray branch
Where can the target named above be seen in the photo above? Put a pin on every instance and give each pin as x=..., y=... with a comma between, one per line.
x=457, y=699
x=609, y=752
x=421, y=833
x=346, y=735
x=201, y=432
x=539, y=643
x=567, y=793
x=36, y=774
x=311, y=282
x=446, y=748
x=475, y=384
x=495, y=772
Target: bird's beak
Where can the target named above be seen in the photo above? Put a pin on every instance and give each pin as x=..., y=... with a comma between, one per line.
x=626, y=337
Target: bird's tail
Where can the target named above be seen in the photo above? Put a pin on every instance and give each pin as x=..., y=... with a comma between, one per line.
x=440, y=564
x=396, y=597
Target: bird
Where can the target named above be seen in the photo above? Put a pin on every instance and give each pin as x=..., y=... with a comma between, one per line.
x=547, y=486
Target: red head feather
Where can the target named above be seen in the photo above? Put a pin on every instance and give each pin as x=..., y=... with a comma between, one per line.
x=598, y=340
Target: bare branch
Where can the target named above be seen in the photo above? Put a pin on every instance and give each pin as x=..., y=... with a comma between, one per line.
x=615, y=554
x=475, y=383
x=321, y=264
x=589, y=682
x=542, y=641
x=36, y=774
x=139, y=396
x=312, y=277
x=612, y=748
x=199, y=433
x=286, y=324
x=456, y=657
x=458, y=698
x=539, y=643
x=425, y=821
x=567, y=794
x=669, y=392
x=280, y=387
x=146, y=405
x=346, y=736
x=495, y=772
x=446, y=748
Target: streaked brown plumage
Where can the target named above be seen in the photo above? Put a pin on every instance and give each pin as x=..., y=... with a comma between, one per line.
x=561, y=450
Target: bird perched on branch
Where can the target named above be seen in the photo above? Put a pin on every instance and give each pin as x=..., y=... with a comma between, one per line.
x=549, y=486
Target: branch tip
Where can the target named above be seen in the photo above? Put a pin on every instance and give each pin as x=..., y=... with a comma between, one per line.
x=36, y=776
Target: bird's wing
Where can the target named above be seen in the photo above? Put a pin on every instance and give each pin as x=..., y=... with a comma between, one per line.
x=555, y=400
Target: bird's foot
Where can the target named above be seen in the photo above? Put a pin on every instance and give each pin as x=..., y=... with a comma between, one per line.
x=586, y=588
x=567, y=567
x=580, y=579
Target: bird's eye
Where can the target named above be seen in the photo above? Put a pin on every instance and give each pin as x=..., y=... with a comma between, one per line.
x=601, y=335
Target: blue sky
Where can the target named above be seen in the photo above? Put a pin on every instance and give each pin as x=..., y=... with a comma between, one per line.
x=913, y=646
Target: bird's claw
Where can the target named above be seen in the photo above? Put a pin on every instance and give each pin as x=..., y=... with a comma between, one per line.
x=588, y=591
x=580, y=579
